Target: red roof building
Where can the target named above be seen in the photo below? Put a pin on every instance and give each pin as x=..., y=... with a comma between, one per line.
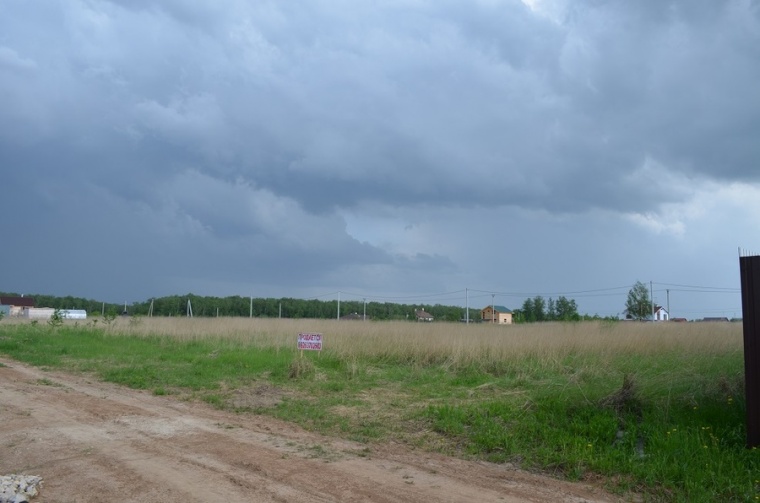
x=17, y=304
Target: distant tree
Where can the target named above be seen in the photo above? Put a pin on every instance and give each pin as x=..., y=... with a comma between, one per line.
x=566, y=310
x=539, y=307
x=528, y=311
x=551, y=310
x=518, y=316
x=638, y=306
x=534, y=310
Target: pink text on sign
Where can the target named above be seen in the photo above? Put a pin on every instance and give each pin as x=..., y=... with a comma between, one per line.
x=310, y=341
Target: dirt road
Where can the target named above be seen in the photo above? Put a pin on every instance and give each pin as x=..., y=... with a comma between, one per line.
x=96, y=442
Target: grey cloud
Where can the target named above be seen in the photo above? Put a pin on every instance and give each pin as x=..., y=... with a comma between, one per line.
x=675, y=85
x=12, y=60
x=428, y=105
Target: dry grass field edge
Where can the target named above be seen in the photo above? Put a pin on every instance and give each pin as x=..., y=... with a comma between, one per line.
x=455, y=342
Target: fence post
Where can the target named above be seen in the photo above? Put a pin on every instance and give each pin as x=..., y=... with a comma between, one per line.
x=749, y=267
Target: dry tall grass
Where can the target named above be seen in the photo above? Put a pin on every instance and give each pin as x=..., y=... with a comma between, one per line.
x=454, y=342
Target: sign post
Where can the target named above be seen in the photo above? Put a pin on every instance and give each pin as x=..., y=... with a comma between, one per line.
x=309, y=341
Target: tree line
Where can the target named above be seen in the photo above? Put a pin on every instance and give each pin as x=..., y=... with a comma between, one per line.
x=536, y=309
x=204, y=306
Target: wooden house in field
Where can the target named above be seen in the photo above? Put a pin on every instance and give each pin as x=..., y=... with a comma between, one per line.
x=498, y=315
x=422, y=315
x=16, y=305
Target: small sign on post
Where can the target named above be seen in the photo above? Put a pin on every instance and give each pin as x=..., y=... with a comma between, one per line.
x=310, y=341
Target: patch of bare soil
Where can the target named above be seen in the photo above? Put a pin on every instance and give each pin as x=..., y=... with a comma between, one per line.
x=96, y=442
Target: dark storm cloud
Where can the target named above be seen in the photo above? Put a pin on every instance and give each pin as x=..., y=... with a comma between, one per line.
x=674, y=81
x=423, y=107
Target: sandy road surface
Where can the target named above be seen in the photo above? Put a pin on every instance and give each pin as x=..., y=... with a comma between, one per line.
x=93, y=441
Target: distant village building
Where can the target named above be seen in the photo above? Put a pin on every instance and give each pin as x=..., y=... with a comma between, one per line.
x=74, y=314
x=25, y=307
x=354, y=316
x=16, y=305
x=660, y=314
x=498, y=315
x=423, y=315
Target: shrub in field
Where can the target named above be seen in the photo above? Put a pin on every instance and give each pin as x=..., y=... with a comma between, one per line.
x=56, y=320
x=626, y=399
x=300, y=368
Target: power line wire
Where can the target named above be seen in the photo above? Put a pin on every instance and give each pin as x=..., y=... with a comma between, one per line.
x=701, y=288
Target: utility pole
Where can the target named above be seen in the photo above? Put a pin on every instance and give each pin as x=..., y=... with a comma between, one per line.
x=250, y=311
x=338, y=317
x=365, y=310
x=668, y=293
x=651, y=294
x=493, y=309
x=467, y=307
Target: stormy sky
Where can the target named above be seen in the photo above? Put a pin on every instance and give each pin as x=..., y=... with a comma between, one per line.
x=411, y=151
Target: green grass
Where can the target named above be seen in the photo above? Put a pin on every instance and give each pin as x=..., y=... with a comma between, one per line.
x=666, y=424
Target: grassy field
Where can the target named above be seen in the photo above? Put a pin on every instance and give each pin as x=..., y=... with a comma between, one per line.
x=652, y=409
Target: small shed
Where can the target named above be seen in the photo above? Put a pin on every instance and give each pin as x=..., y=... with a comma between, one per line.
x=422, y=315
